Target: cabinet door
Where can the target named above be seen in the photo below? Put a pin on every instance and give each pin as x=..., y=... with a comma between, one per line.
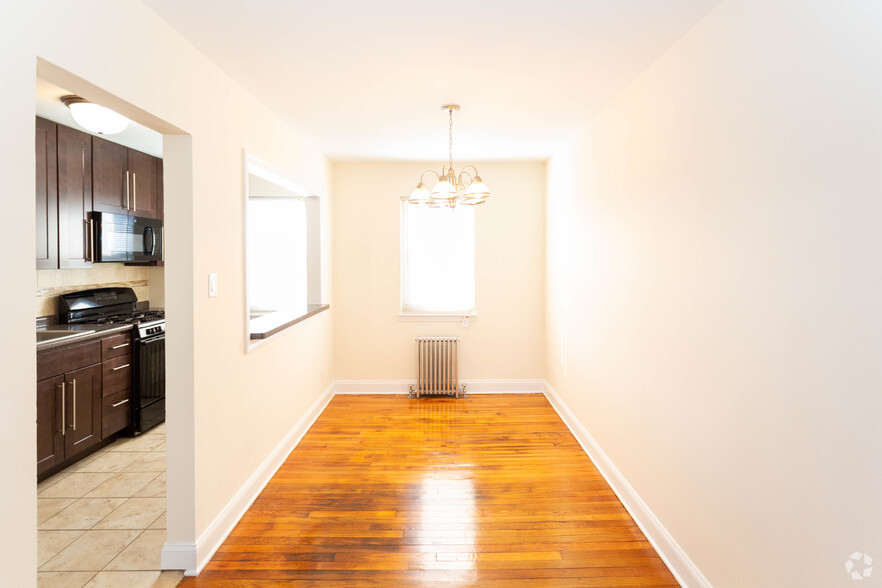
x=83, y=409
x=50, y=440
x=110, y=189
x=145, y=199
x=74, y=197
x=47, y=195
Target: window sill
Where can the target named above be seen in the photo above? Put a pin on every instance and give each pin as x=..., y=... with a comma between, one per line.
x=268, y=325
x=437, y=316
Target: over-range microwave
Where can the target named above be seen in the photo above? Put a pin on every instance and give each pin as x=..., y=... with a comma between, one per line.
x=119, y=237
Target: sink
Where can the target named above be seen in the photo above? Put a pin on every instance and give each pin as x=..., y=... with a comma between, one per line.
x=58, y=335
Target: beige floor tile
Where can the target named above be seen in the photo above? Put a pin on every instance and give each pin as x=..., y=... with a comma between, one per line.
x=160, y=447
x=49, y=507
x=54, y=479
x=140, y=443
x=144, y=553
x=134, y=513
x=76, y=485
x=92, y=551
x=50, y=543
x=123, y=485
x=124, y=579
x=150, y=462
x=155, y=489
x=157, y=430
x=169, y=579
x=160, y=523
x=63, y=579
x=111, y=461
x=82, y=514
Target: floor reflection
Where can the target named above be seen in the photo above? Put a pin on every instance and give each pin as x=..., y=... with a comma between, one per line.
x=448, y=526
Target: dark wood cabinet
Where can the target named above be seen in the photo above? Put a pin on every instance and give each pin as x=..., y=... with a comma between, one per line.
x=82, y=409
x=47, y=195
x=69, y=403
x=74, y=153
x=124, y=180
x=78, y=173
x=50, y=438
x=110, y=177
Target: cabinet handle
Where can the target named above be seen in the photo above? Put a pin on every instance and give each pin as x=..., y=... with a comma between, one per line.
x=120, y=346
x=121, y=367
x=120, y=403
x=63, y=424
x=134, y=192
x=90, y=246
x=74, y=382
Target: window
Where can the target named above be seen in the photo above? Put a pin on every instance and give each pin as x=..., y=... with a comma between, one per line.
x=282, y=252
x=437, y=260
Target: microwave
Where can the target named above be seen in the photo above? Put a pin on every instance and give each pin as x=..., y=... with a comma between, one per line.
x=131, y=239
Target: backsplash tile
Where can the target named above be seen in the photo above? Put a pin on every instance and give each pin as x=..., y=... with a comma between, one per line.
x=52, y=283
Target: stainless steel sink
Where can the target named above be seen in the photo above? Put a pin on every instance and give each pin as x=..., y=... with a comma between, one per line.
x=58, y=335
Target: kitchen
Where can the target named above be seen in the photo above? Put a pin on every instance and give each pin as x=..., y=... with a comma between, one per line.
x=100, y=346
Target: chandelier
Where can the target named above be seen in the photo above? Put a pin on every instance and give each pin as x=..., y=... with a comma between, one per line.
x=451, y=188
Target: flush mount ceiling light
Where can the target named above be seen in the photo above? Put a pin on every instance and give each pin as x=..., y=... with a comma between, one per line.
x=94, y=117
x=451, y=188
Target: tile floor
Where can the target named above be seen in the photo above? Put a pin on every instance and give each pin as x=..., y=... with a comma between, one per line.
x=102, y=520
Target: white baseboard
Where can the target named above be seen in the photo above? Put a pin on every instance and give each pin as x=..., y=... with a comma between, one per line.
x=192, y=557
x=472, y=386
x=686, y=572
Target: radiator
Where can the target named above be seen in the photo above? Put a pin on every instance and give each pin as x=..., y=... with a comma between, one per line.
x=437, y=367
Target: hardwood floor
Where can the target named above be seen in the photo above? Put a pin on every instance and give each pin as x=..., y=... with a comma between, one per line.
x=492, y=490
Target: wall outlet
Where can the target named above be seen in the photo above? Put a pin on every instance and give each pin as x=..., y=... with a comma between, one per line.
x=212, y=285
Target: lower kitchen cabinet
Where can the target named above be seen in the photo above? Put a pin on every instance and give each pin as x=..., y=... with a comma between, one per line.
x=68, y=415
x=83, y=396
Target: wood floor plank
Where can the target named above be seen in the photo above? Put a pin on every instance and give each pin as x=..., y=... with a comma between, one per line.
x=383, y=490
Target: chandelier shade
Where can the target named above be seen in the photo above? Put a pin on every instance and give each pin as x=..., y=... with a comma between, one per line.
x=451, y=188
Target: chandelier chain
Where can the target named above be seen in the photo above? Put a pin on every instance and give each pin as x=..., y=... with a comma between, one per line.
x=450, y=145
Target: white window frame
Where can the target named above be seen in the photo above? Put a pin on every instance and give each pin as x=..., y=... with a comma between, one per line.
x=428, y=316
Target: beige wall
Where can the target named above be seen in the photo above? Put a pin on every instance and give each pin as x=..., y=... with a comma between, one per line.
x=506, y=340
x=714, y=294
x=52, y=283
x=227, y=410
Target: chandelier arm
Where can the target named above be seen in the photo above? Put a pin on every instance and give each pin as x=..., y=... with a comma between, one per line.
x=462, y=173
x=430, y=171
x=465, y=167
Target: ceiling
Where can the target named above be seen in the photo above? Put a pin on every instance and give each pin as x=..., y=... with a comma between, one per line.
x=135, y=136
x=365, y=80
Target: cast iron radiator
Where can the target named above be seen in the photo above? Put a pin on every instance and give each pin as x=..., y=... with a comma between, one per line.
x=437, y=368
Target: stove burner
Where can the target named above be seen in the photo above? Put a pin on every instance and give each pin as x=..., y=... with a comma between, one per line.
x=130, y=318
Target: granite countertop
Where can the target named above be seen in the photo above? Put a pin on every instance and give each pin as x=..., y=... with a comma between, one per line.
x=88, y=333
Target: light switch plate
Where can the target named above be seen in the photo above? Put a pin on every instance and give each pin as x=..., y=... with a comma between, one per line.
x=212, y=285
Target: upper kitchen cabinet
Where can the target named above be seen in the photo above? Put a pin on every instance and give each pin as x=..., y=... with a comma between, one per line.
x=47, y=195
x=74, y=170
x=125, y=181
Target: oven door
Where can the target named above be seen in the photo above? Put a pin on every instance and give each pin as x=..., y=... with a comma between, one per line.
x=149, y=409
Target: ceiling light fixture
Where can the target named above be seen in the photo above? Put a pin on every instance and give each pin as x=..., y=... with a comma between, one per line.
x=451, y=188
x=94, y=117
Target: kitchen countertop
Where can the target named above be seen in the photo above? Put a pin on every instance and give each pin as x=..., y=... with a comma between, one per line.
x=98, y=331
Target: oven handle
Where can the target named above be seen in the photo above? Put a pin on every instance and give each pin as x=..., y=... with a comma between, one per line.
x=151, y=339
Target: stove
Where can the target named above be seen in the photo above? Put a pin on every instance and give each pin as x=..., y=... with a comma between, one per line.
x=118, y=306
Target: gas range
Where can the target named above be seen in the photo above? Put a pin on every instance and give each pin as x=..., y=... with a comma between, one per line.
x=117, y=306
x=111, y=306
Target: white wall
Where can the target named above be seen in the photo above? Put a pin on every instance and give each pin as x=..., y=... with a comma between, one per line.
x=227, y=411
x=714, y=293
x=505, y=341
